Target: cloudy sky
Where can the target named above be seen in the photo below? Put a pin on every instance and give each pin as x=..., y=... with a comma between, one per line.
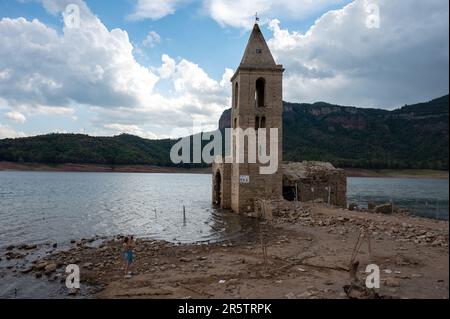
x=154, y=67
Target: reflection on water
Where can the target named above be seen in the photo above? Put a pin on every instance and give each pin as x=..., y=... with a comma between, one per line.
x=60, y=206
x=37, y=207
x=423, y=197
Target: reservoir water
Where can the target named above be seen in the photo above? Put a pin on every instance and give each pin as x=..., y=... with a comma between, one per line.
x=55, y=207
x=36, y=207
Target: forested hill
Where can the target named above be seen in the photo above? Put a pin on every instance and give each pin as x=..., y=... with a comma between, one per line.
x=414, y=136
x=76, y=148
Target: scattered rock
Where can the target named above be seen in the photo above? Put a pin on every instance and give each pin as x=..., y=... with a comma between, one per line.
x=49, y=269
x=392, y=282
x=290, y=295
x=304, y=295
x=40, y=266
x=355, y=291
x=73, y=292
x=384, y=209
x=27, y=270
x=28, y=247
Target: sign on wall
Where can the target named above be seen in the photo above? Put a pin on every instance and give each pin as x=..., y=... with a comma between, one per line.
x=244, y=179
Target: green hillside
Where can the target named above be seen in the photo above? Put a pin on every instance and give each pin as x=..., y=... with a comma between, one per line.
x=414, y=136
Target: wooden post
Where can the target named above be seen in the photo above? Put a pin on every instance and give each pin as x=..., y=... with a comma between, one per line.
x=329, y=196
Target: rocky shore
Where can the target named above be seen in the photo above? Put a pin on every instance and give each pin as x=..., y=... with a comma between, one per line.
x=300, y=253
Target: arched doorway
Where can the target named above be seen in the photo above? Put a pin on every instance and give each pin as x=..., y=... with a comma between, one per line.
x=217, y=189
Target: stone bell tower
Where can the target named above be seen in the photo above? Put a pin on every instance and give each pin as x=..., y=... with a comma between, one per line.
x=256, y=103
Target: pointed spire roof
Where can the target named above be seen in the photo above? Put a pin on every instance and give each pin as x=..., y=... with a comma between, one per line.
x=257, y=53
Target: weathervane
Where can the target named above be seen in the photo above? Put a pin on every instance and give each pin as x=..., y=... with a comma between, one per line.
x=256, y=17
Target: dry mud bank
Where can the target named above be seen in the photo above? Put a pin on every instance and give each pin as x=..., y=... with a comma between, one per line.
x=308, y=254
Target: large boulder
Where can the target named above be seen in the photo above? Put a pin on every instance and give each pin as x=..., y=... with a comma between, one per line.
x=384, y=209
x=50, y=268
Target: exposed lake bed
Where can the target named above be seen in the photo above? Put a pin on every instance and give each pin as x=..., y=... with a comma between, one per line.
x=56, y=218
x=308, y=254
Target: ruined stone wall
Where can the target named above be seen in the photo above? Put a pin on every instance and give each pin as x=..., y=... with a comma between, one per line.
x=315, y=181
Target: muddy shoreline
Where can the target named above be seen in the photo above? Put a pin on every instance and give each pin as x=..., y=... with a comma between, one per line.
x=351, y=172
x=308, y=254
x=37, y=167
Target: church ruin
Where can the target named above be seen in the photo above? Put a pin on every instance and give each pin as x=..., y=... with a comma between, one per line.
x=257, y=87
x=314, y=182
x=256, y=103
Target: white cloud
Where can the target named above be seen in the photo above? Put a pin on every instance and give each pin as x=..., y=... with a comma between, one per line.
x=194, y=97
x=167, y=68
x=340, y=60
x=5, y=74
x=16, y=117
x=130, y=129
x=152, y=39
x=90, y=65
x=8, y=132
x=53, y=110
x=241, y=13
x=234, y=13
x=198, y=94
x=94, y=68
x=155, y=9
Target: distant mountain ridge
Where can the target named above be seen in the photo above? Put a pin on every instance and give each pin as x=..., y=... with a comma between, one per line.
x=414, y=136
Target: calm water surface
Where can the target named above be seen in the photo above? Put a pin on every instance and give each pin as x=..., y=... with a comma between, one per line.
x=36, y=207
x=42, y=207
x=423, y=197
x=59, y=206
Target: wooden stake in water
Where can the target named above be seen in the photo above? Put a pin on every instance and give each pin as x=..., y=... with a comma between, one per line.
x=329, y=195
x=156, y=215
x=437, y=209
x=184, y=215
